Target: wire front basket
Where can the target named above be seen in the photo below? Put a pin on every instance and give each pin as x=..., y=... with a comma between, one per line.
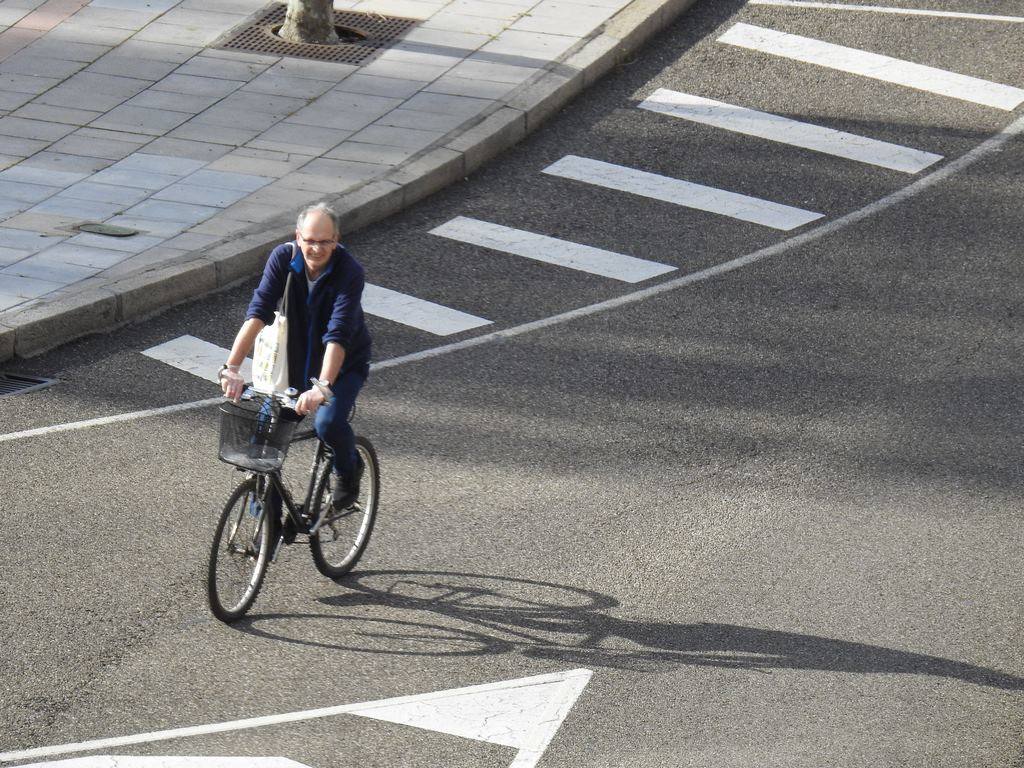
x=254, y=435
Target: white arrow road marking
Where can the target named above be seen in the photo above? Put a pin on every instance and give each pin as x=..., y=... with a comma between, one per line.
x=874, y=65
x=196, y=356
x=523, y=713
x=765, y=125
x=685, y=193
x=170, y=761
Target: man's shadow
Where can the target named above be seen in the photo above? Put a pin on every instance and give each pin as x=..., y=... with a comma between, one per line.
x=551, y=621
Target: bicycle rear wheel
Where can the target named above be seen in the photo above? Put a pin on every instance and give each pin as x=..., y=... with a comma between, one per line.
x=240, y=553
x=342, y=537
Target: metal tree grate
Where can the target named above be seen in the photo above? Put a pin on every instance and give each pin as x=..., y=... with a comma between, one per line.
x=13, y=384
x=362, y=35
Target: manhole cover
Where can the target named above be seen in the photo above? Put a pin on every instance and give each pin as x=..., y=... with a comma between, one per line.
x=13, y=384
x=107, y=229
x=362, y=35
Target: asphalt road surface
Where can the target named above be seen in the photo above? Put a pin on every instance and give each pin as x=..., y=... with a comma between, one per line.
x=775, y=508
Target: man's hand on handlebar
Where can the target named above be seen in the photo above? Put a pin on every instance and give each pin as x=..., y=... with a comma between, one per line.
x=309, y=401
x=231, y=383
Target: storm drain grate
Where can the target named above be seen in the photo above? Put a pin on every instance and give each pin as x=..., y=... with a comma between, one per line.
x=362, y=35
x=13, y=384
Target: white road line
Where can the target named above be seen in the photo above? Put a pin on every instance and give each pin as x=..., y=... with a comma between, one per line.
x=764, y=125
x=198, y=357
x=874, y=65
x=417, y=313
x=680, y=192
x=884, y=9
x=523, y=713
x=551, y=250
x=989, y=146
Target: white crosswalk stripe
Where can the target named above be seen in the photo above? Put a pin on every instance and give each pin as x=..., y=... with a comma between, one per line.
x=874, y=65
x=417, y=313
x=551, y=250
x=786, y=131
x=888, y=9
x=685, y=193
x=198, y=357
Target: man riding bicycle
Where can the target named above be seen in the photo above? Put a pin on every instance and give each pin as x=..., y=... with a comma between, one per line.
x=327, y=335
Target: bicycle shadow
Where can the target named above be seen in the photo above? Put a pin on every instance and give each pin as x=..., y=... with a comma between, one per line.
x=491, y=615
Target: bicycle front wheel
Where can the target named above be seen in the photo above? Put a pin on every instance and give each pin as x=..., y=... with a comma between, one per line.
x=342, y=538
x=240, y=553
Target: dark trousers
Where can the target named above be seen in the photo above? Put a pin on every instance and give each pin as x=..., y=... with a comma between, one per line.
x=331, y=422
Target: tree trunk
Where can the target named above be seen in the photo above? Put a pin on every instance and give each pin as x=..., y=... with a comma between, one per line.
x=309, y=21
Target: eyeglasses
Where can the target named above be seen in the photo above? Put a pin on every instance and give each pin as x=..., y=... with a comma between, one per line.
x=318, y=243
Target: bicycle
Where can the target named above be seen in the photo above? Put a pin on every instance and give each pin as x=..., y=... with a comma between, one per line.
x=256, y=433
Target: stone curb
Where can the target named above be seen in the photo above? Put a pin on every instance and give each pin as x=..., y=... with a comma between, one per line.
x=148, y=292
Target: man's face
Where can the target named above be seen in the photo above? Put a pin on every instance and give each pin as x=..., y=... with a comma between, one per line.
x=317, y=239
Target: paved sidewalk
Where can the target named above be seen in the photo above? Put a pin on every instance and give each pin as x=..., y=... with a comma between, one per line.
x=117, y=111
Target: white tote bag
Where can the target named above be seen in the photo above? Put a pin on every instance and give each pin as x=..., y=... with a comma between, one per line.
x=270, y=356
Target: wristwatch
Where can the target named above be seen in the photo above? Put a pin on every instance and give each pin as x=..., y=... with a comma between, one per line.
x=324, y=385
x=226, y=367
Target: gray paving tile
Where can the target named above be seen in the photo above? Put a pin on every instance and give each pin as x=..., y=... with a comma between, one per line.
x=124, y=65
x=133, y=244
x=64, y=49
x=138, y=179
x=453, y=40
x=198, y=86
x=48, y=267
x=194, y=150
x=190, y=241
x=255, y=58
x=33, y=129
x=237, y=162
x=174, y=166
x=194, y=130
x=284, y=85
x=412, y=9
x=192, y=193
x=23, y=147
x=92, y=210
x=42, y=223
x=10, y=255
x=378, y=86
x=151, y=51
x=509, y=11
x=227, y=117
x=46, y=176
x=461, y=86
x=31, y=84
x=26, y=240
x=6, y=161
x=98, y=133
x=206, y=18
x=398, y=137
x=330, y=71
x=163, y=209
x=11, y=16
x=242, y=7
x=221, y=226
x=156, y=227
x=10, y=206
x=529, y=45
x=28, y=193
x=147, y=259
x=263, y=103
x=58, y=161
x=423, y=54
x=370, y=153
x=475, y=68
x=403, y=70
x=66, y=115
x=9, y=101
x=87, y=146
x=14, y=289
x=175, y=34
x=295, y=138
x=40, y=66
x=443, y=104
x=83, y=31
x=155, y=122
x=158, y=6
x=106, y=193
x=254, y=213
x=463, y=22
x=225, y=180
x=343, y=171
x=176, y=102
x=347, y=111
x=99, y=258
x=425, y=121
x=208, y=66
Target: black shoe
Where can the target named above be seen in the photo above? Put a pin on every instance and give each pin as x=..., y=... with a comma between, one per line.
x=345, y=490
